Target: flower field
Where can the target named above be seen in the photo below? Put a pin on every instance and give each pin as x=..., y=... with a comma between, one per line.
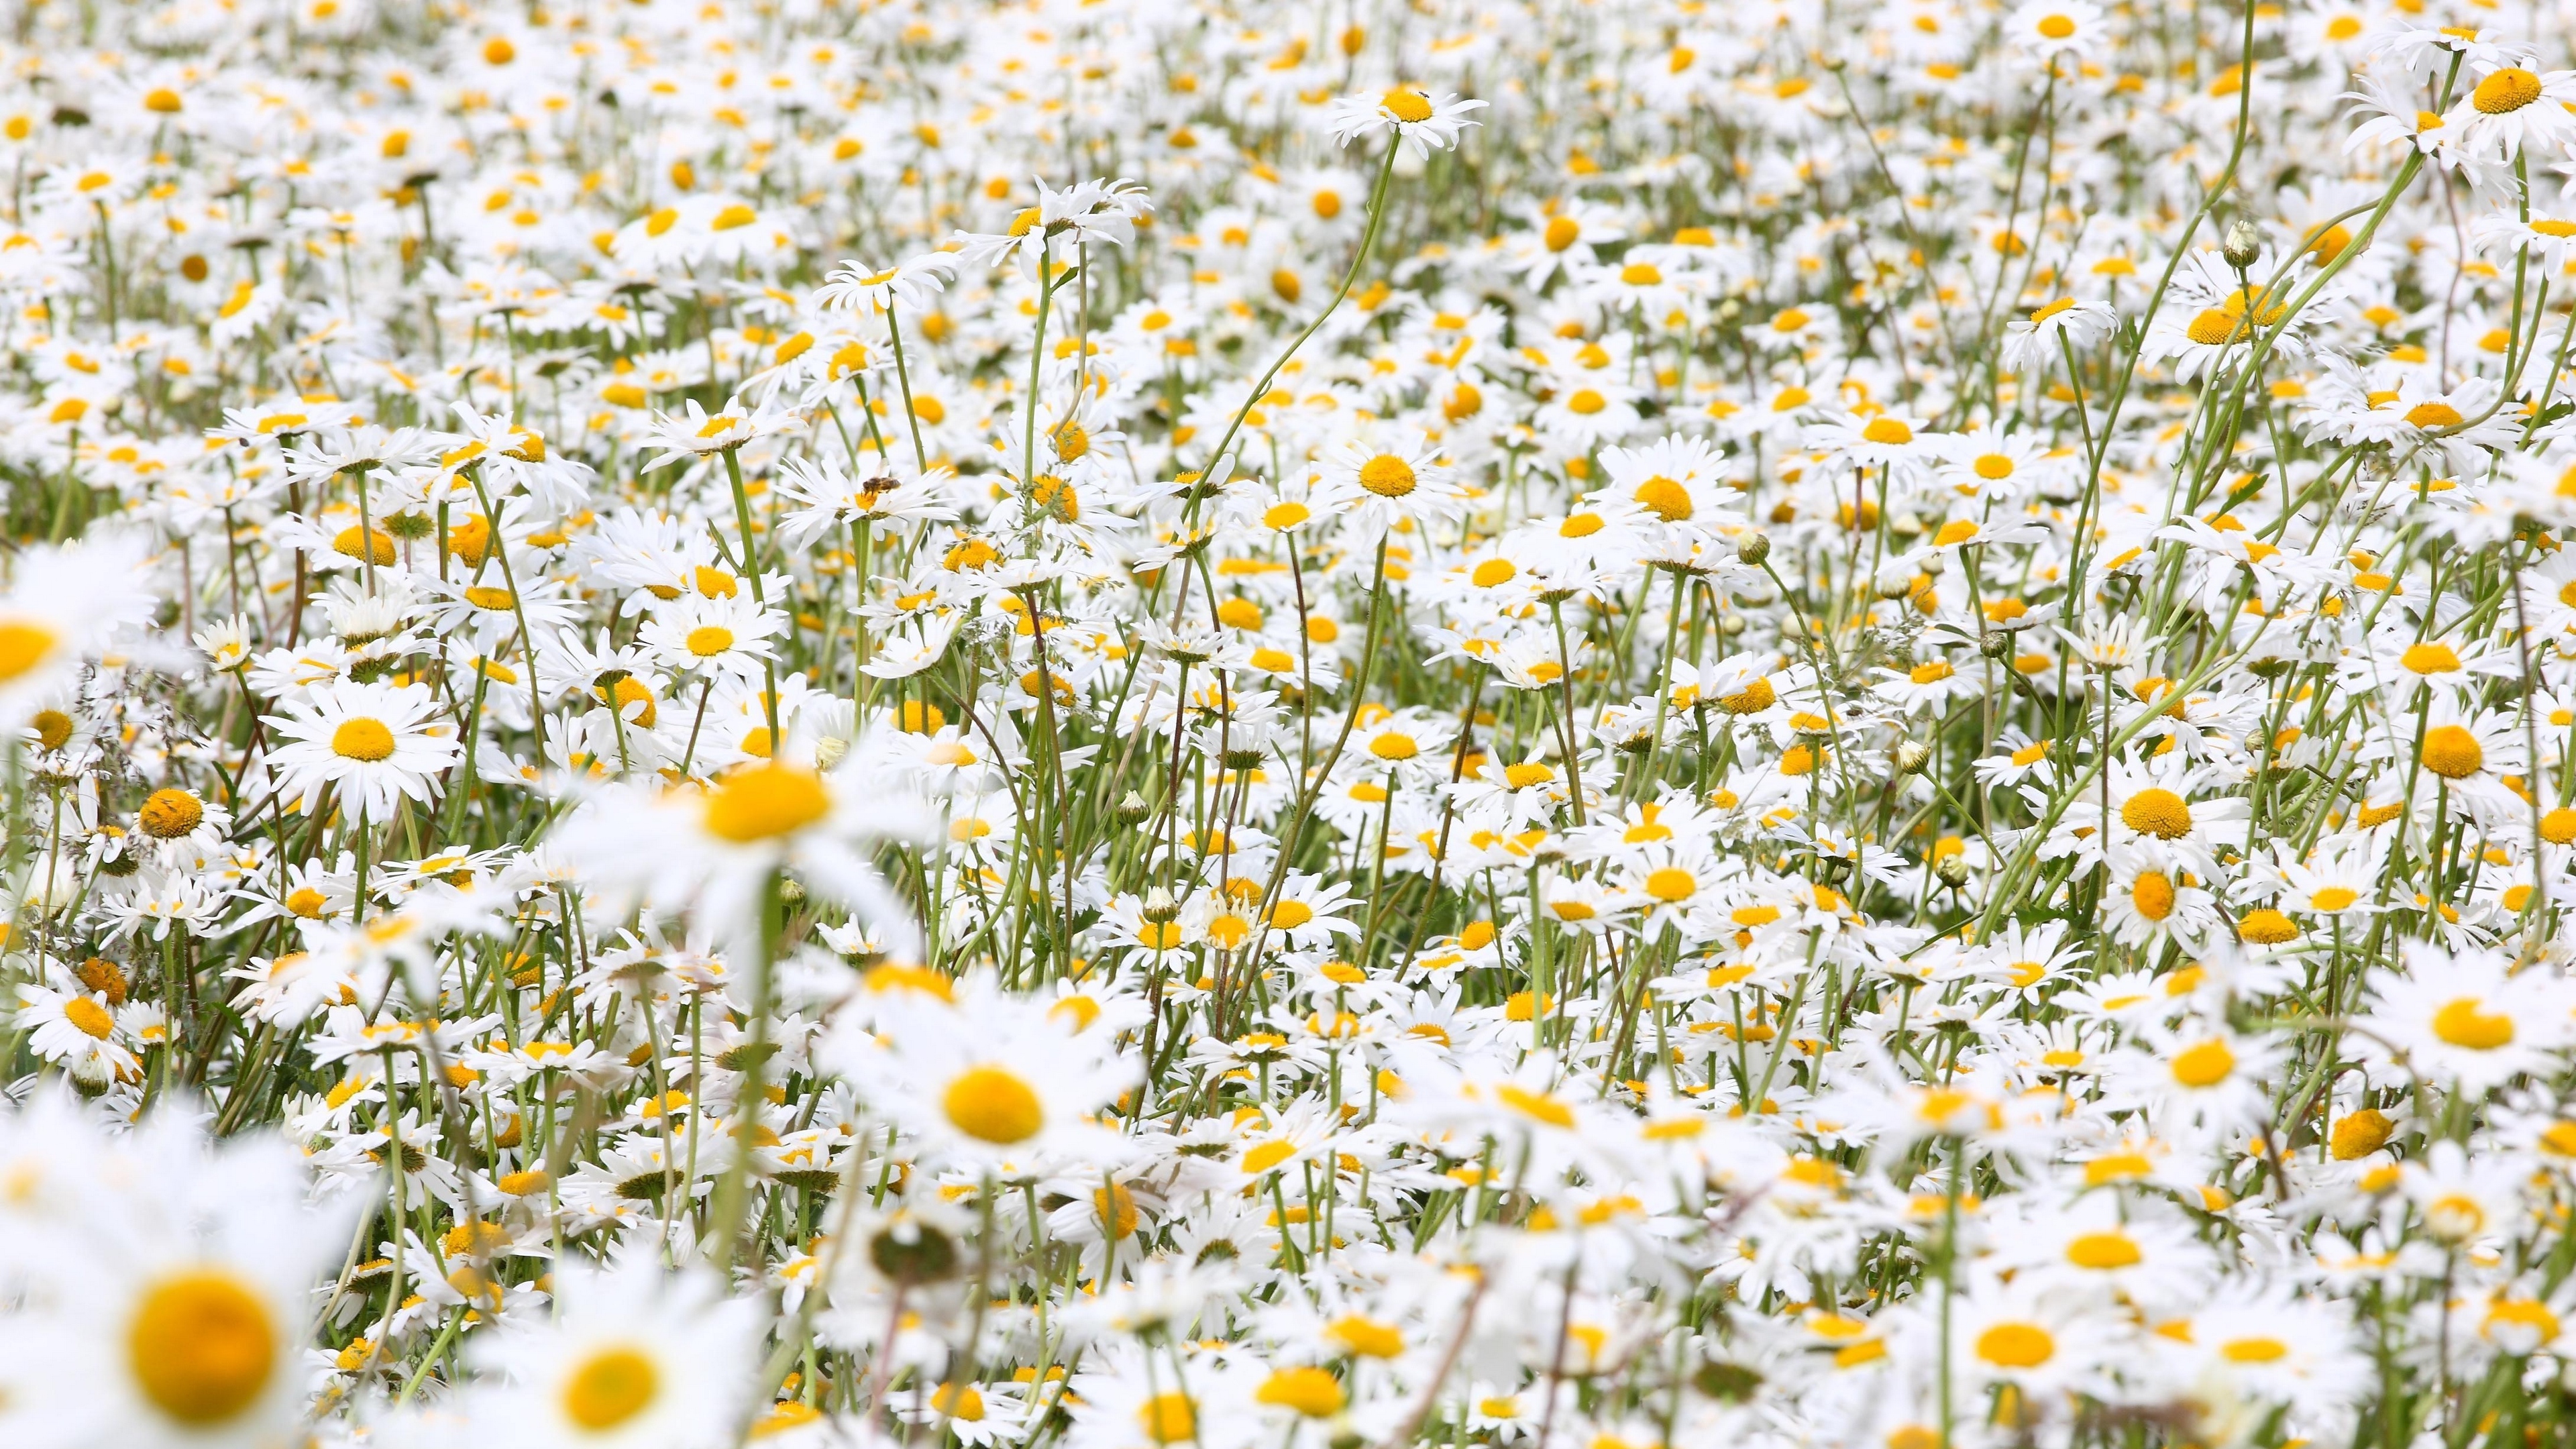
x=1147, y=724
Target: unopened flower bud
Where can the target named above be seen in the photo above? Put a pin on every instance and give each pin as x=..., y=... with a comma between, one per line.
x=1753, y=548
x=1912, y=756
x=1131, y=808
x=1952, y=869
x=2243, y=243
x=912, y=1252
x=1994, y=644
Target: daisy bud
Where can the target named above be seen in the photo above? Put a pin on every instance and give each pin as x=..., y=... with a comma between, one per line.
x=1912, y=756
x=1732, y=1383
x=91, y=1076
x=1994, y=644
x=1753, y=548
x=1159, y=905
x=911, y=1251
x=2243, y=243
x=1131, y=808
x=1952, y=869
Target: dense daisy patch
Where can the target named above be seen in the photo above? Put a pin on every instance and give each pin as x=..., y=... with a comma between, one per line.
x=1122, y=724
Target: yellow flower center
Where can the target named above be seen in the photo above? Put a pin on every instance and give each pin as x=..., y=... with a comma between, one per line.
x=2558, y=827
x=2453, y=753
x=993, y=1104
x=709, y=640
x=1312, y=1392
x=1665, y=499
x=2430, y=658
x=2052, y=309
x=1114, y=1208
x=361, y=738
x=2254, y=1350
x=2157, y=812
x=24, y=644
x=89, y=1016
x=1168, y=1418
x=1890, y=432
x=2205, y=1064
x=2016, y=1345
x=2216, y=327
x=2056, y=27
x=2103, y=1251
x=2266, y=927
x=202, y=1347
x=1562, y=232
x=1757, y=697
x=2431, y=415
x=2461, y=1024
x=1410, y=106
x=610, y=1387
x=374, y=544
x=626, y=693
x=765, y=802
x=169, y=814
x=2506, y=91
x=1671, y=884
x=484, y=596
x=1387, y=476
x=2333, y=898
x=2360, y=1134
x=1539, y=1106
x=1367, y=1337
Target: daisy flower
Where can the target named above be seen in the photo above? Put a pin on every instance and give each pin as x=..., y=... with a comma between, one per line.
x=2467, y=1020
x=62, y=606
x=631, y=1358
x=1404, y=479
x=2048, y=29
x=2037, y=343
x=732, y=636
x=2513, y=107
x=1422, y=122
x=714, y=850
x=372, y=744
